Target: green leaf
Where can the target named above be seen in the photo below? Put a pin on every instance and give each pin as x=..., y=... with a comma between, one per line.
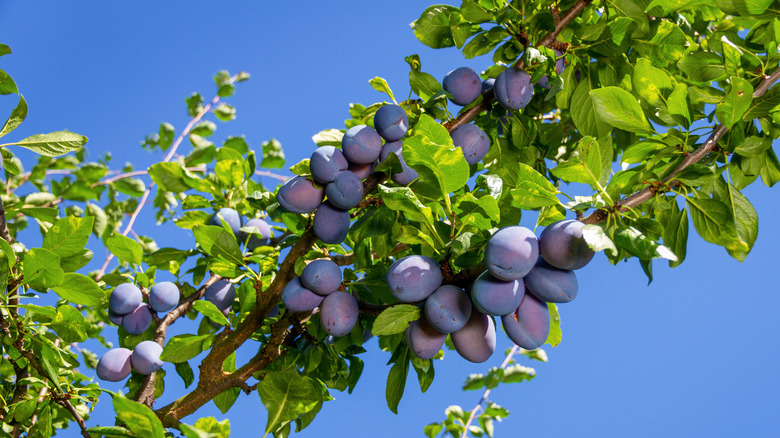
x=404, y=200
x=620, y=109
x=702, y=66
x=584, y=166
x=651, y=83
x=736, y=103
x=219, y=429
x=667, y=45
x=677, y=104
x=597, y=239
x=753, y=146
x=715, y=224
x=80, y=289
x=42, y=269
x=396, y=381
x=286, y=396
x=184, y=371
x=273, y=155
x=380, y=84
x=6, y=248
x=218, y=242
x=125, y=248
x=480, y=212
x=169, y=176
x=433, y=26
x=225, y=112
x=518, y=373
x=554, y=338
x=429, y=151
x=746, y=220
x=70, y=324
x=52, y=144
x=675, y=233
x=765, y=104
x=639, y=245
x=138, y=418
x=16, y=118
x=111, y=432
x=328, y=137
x=209, y=310
x=584, y=113
x=68, y=236
x=423, y=84
x=395, y=319
x=182, y=348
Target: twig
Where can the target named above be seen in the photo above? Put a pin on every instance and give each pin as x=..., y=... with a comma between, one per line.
x=486, y=393
x=271, y=175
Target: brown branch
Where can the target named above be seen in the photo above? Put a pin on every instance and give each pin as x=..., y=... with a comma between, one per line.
x=694, y=157
x=4, y=233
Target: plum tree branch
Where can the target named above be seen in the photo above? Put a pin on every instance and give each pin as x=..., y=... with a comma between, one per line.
x=485, y=395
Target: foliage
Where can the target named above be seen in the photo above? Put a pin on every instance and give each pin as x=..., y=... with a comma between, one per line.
x=665, y=111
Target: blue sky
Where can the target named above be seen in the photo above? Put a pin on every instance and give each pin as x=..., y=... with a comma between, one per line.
x=694, y=353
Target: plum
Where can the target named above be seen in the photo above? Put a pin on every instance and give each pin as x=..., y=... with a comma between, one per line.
x=496, y=297
x=476, y=341
x=217, y=325
x=513, y=88
x=338, y=313
x=529, y=325
x=424, y=340
x=230, y=216
x=448, y=308
x=560, y=64
x=125, y=298
x=255, y=240
x=414, y=278
x=473, y=142
x=221, y=293
x=331, y=224
x=407, y=174
x=325, y=163
x=299, y=299
x=115, y=317
x=146, y=357
x=114, y=365
x=463, y=84
x=137, y=321
x=163, y=296
x=390, y=122
x=322, y=277
x=345, y=191
x=361, y=144
x=551, y=284
x=511, y=252
x=300, y=195
x=488, y=84
x=362, y=170
x=561, y=244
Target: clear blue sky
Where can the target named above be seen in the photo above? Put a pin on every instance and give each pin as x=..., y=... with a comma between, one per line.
x=695, y=353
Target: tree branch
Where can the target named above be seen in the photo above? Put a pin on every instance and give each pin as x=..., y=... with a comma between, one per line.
x=487, y=393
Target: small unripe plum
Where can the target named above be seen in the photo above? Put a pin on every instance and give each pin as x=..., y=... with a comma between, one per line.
x=163, y=296
x=299, y=195
x=331, y=224
x=473, y=142
x=414, y=278
x=476, y=341
x=338, y=313
x=407, y=174
x=496, y=297
x=529, y=325
x=325, y=163
x=551, y=284
x=390, y=122
x=448, y=308
x=361, y=144
x=561, y=244
x=137, y=321
x=345, y=191
x=146, y=357
x=299, y=299
x=463, y=84
x=513, y=88
x=114, y=365
x=255, y=240
x=125, y=298
x=230, y=216
x=362, y=170
x=322, y=277
x=424, y=340
x=511, y=252
x=221, y=293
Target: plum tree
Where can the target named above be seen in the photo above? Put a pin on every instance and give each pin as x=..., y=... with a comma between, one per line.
x=146, y=357
x=447, y=309
x=338, y=313
x=496, y=297
x=163, y=296
x=414, y=278
x=391, y=122
x=322, y=276
x=511, y=252
x=562, y=245
x=125, y=298
x=300, y=195
x=463, y=84
x=114, y=365
x=325, y=163
x=473, y=141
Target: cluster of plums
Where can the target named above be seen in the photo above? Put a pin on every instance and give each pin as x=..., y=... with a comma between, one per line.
x=318, y=286
x=127, y=308
x=523, y=274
